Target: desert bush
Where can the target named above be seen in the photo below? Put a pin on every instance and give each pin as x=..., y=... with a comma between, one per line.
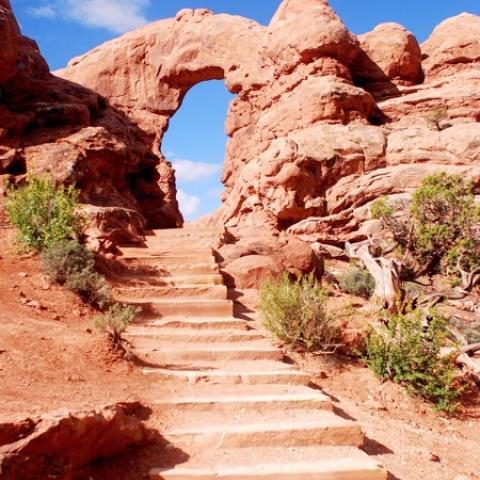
x=295, y=312
x=115, y=321
x=441, y=230
x=357, y=282
x=72, y=265
x=407, y=350
x=437, y=118
x=43, y=213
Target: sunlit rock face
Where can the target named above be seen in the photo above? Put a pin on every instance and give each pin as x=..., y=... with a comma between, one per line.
x=48, y=124
x=323, y=122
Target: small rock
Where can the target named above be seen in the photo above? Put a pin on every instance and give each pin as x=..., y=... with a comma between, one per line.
x=23, y=274
x=434, y=457
x=35, y=304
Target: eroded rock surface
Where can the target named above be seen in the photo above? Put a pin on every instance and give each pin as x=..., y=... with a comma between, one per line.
x=48, y=124
x=323, y=121
x=58, y=444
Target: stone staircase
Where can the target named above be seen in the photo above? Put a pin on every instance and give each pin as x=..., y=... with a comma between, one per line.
x=238, y=410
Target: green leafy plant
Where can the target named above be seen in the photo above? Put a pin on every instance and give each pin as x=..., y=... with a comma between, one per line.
x=357, y=282
x=72, y=265
x=114, y=322
x=44, y=213
x=295, y=312
x=441, y=229
x=407, y=350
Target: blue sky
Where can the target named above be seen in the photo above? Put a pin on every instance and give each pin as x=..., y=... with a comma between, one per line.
x=195, y=141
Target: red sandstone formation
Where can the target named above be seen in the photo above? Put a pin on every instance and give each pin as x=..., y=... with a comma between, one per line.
x=48, y=124
x=43, y=446
x=323, y=122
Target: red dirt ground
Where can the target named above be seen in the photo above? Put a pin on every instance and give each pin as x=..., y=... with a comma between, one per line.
x=50, y=358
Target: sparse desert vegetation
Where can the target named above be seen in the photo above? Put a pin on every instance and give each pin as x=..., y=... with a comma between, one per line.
x=322, y=322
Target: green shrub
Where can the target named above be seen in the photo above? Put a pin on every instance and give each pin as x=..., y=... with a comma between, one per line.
x=295, y=312
x=72, y=265
x=407, y=350
x=437, y=118
x=115, y=321
x=358, y=282
x=43, y=213
x=441, y=231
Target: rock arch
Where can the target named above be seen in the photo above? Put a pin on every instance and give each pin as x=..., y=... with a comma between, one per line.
x=323, y=121
x=284, y=84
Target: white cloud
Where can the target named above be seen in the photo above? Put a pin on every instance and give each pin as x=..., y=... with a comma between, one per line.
x=118, y=16
x=190, y=171
x=188, y=204
x=44, y=11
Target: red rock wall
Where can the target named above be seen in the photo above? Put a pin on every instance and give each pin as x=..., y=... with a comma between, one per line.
x=323, y=121
x=48, y=124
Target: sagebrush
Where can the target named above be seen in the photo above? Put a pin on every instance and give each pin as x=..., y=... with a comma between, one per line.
x=43, y=212
x=72, y=265
x=358, y=282
x=407, y=349
x=115, y=321
x=294, y=310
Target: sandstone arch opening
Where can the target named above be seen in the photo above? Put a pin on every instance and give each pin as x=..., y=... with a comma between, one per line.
x=195, y=143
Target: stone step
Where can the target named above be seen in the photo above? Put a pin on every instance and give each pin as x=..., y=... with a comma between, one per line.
x=154, y=280
x=153, y=267
x=152, y=293
x=262, y=401
x=150, y=338
x=186, y=239
x=298, y=428
x=233, y=373
x=159, y=250
x=184, y=232
x=193, y=308
x=299, y=463
x=204, y=323
x=172, y=353
x=169, y=259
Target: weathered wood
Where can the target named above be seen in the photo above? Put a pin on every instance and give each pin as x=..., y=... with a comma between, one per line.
x=386, y=273
x=471, y=349
x=472, y=365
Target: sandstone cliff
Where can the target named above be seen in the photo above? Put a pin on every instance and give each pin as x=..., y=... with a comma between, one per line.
x=48, y=124
x=323, y=121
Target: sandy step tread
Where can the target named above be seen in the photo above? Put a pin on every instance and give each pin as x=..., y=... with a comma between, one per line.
x=182, y=322
x=146, y=337
x=308, y=463
x=232, y=373
x=149, y=293
x=250, y=429
x=152, y=280
x=174, y=353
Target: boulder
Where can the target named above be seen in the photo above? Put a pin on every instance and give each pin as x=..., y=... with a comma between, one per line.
x=252, y=271
x=453, y=46
x=60, y=443
x=388, y=53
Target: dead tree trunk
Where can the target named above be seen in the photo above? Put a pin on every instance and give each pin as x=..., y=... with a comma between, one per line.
x=386, y=273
